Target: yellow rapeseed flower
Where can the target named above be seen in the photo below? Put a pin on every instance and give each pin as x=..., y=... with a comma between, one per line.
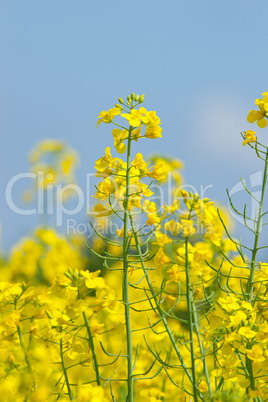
x=249, y=137
x=108, y=116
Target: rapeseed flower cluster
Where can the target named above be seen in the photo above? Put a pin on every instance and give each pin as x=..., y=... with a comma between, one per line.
x=52, y=163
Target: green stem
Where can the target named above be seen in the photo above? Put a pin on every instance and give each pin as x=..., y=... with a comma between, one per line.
x=247, y=367
x=26, y=358
x=195, y=319
x=125, y=287
x=257, y=234
x=93, y=351
x=190, y=319
x=65, y=372
x=250, y=372
x=215, y=364
x=160, y=311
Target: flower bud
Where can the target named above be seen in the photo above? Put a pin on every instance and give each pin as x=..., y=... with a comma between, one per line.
x=24, y=286
x=132, y=96
x=119, y=106
x=11, y=358
x=120, y=100
x=196, y=197
x=128, y=98
x=137, y=98
x=141, y=98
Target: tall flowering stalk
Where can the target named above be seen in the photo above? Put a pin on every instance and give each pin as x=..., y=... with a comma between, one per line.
x=125, y=288
x=125, y=189
x=257, y=227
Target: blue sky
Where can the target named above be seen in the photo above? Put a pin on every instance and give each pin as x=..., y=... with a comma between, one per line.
x=200, y=64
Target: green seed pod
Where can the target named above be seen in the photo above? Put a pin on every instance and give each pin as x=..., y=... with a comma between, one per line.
x=120, y=100
x=48, y=314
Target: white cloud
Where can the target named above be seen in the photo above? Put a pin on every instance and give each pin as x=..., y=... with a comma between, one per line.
x=218, y=121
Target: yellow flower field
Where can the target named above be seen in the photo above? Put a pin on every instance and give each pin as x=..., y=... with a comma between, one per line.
x=167, y=307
